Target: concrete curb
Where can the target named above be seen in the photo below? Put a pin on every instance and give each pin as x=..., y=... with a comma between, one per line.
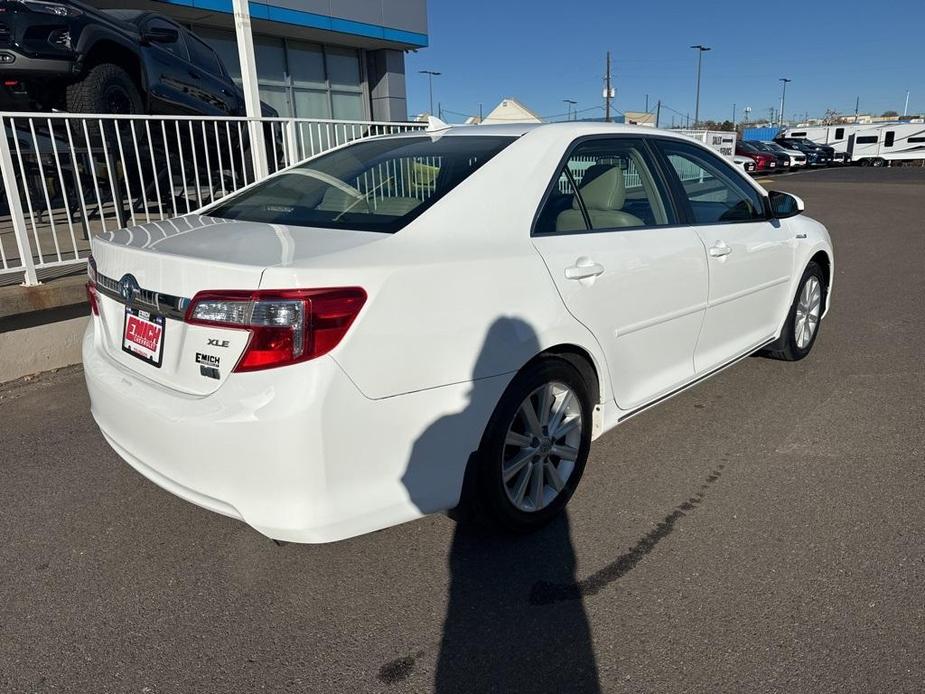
x=41, y=348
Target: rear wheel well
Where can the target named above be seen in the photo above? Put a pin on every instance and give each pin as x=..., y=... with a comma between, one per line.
x=583, y=363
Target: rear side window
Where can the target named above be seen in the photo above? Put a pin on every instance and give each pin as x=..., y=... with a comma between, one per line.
x=605, y=184
x=714, y=191
x=373, y=185
x=866, y=140
x=839, y=133
x=203, y=57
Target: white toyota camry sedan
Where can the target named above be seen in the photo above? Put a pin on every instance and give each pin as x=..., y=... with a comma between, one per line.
x=414, y=323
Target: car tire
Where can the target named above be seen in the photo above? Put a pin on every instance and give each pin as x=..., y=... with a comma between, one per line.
x=519, y=480
x=106, y=88
x=804, y=318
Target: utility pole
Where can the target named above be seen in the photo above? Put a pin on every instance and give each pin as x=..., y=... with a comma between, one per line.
x=857, y=107
x=783, y=96
x=906, y=107
x=733, y=115
x=430, y=81
x=658, y=112
x=570, y=102
x=608, y=91
x=700, y=51
x=480, y=113
x=647, y=103
x=688, y=126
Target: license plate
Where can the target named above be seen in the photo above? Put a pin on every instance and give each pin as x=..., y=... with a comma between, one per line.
x=143, y=335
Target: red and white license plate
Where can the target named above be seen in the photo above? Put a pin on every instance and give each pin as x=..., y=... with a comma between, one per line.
x=143, y=335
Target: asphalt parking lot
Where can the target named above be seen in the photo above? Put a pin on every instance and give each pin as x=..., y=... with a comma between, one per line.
x=763, y=532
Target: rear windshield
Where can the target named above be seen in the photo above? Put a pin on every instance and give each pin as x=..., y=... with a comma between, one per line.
x=373, y=185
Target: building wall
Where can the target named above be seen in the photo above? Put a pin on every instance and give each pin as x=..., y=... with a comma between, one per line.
x=298, y=78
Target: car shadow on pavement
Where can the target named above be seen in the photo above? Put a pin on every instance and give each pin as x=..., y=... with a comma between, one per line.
x=494, y=638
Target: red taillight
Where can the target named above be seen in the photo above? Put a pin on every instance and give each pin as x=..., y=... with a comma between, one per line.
x=286, y=325
x=91, y=286
x=91, y=298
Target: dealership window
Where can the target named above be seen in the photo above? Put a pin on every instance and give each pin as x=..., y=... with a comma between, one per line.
x=297, y=78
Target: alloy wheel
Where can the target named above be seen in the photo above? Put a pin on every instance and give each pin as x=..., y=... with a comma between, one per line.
x=118, y=100
x=809, y=306
x=541, y=447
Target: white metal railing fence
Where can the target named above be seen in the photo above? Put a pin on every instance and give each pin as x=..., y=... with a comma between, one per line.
x=69, y=176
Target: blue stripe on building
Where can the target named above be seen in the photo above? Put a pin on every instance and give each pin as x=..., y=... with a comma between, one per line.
x=312, y=20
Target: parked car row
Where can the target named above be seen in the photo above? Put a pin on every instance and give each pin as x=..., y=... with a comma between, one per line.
x=785, y=153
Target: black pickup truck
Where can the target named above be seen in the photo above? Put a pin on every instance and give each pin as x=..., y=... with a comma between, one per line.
x=72, y=57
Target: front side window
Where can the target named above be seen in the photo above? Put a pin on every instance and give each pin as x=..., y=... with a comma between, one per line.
x=373, y=185
x=714, y=191
x=605, y=184
x=203, y=57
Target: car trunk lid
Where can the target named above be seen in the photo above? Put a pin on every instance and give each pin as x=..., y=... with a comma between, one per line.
x=147, y=276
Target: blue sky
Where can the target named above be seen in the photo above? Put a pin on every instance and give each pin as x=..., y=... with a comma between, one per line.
x=543, y=51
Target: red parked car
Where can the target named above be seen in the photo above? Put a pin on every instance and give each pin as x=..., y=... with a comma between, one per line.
x=765, y=162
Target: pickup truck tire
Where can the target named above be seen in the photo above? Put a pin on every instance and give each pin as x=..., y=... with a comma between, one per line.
x=106, y=88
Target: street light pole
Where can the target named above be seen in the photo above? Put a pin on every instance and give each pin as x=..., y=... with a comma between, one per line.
x=570, y=102
x=700, y=51
x=430, y=80
x=783, y=96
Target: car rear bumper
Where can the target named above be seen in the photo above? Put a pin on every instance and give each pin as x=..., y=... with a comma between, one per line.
x=301, y=456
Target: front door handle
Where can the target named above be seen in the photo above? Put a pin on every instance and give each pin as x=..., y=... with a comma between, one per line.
x=719, y=249
x=583, y=270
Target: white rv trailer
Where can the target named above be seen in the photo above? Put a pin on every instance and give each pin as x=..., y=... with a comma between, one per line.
x=887, y=144
x=835, y=136
x=865, y=149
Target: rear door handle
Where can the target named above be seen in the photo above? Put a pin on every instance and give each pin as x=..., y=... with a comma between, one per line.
x=582, y=271
x=719, y=249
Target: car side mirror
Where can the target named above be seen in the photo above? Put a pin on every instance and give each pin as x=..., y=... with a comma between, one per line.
x=784, y=205
x=160, y=35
